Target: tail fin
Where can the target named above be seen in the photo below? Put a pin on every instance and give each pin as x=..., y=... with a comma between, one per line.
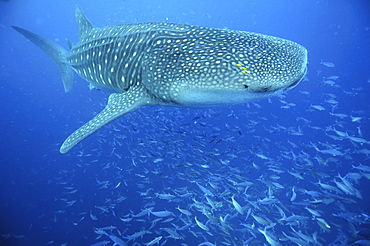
x=56, y=52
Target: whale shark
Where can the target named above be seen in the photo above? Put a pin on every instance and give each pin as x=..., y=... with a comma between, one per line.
x=160, y=63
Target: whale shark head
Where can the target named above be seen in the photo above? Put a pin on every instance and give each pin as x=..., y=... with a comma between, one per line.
x=201, y=67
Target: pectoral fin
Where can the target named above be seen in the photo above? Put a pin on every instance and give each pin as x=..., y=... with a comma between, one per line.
x=118, y=104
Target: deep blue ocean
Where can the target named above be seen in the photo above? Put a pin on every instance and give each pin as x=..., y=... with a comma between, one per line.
x=288, y=170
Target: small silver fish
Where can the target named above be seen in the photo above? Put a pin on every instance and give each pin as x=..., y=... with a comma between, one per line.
x=327, y=64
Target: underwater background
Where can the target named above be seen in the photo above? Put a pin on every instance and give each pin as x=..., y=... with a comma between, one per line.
x=289, y=170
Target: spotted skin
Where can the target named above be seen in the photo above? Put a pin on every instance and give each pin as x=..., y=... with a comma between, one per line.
x=174, y=65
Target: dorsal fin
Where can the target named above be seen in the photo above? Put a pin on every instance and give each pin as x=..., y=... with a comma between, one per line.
x=84, y=25
x=70, y=44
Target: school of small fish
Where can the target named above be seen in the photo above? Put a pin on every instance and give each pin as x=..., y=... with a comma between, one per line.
x=243, y=175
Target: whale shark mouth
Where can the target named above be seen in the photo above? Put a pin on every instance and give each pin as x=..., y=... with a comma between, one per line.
x=295, y=83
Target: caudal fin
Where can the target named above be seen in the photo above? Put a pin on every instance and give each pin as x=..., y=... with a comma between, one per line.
x=56, y=52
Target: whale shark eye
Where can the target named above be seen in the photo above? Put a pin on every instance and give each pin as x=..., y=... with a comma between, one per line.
x=246, y=86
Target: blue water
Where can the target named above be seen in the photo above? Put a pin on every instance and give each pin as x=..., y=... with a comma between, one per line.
x=47, y=198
